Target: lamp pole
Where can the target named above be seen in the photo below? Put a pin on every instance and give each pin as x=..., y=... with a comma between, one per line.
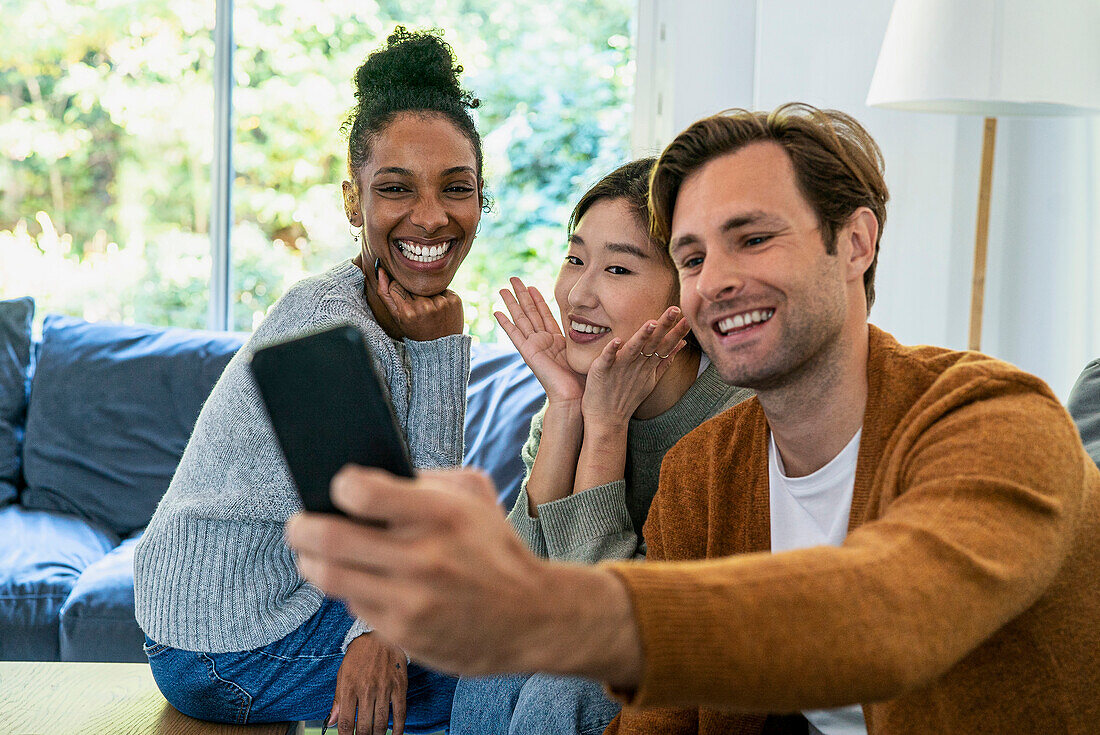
x=981, y=235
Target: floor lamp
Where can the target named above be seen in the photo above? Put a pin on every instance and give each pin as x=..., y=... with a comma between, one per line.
x=990, y=58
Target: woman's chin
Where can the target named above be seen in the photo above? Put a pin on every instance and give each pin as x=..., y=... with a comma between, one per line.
x=579, y=363
x=419, y=284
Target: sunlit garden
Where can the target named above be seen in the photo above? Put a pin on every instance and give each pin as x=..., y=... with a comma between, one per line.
x=106, y=143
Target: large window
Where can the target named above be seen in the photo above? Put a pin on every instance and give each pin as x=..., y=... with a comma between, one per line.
x=105, y=151
x=107, y=131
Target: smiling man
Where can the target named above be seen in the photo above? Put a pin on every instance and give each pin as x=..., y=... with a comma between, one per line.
x=886, y=539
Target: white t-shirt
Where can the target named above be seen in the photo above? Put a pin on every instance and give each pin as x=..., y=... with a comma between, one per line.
x=813, y=511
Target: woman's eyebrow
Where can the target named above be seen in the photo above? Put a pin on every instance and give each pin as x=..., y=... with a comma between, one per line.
x=627, y=248
x=459, y=170
x=393, y=170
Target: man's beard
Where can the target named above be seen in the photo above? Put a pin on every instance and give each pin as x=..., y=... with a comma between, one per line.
x=803, y=348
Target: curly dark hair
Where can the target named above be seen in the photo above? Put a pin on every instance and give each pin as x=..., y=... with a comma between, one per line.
x=416, y=71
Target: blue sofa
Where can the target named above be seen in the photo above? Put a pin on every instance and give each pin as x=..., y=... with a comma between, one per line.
x=93, y=420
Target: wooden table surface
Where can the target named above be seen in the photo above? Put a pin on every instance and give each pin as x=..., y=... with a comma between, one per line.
x=54, y=698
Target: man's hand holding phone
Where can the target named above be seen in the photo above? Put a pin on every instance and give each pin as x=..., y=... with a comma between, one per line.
x=329, y=407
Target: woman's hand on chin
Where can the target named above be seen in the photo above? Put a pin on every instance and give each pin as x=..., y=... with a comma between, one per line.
x=539, y=339
x=421, y=318
x=623, y=375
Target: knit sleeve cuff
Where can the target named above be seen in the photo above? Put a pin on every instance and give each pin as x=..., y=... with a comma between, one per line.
x=437, y=406
x=589, y=526
x=527, y=528
x=357, y=629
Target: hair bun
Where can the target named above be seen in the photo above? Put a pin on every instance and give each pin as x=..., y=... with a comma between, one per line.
x=412, y=63
x=417, y=72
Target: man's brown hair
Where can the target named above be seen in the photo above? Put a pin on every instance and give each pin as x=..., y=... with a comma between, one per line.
x=838, y=166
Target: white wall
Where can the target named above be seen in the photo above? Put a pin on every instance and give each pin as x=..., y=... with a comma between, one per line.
x=1042, y=308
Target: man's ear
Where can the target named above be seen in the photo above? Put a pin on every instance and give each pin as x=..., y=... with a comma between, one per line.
x=351, y=204
x=860, y=235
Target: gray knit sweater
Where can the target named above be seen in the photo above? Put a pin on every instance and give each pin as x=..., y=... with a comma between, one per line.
x=599, y=523
x=212, y=572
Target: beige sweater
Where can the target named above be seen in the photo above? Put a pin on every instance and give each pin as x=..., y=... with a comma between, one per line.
x=964, y=599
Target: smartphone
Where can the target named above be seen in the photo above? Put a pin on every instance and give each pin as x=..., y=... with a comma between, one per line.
x=329, y=406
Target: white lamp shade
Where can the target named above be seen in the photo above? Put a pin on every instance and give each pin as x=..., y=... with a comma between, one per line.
x=990, y=57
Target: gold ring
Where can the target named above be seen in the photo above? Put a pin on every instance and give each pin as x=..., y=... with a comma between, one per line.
x=651, y=354
x=664, y=357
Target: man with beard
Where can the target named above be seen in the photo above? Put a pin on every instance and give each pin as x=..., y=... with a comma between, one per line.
x=886, y=539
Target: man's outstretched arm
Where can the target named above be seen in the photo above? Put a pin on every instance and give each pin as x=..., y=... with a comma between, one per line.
x=435, y=567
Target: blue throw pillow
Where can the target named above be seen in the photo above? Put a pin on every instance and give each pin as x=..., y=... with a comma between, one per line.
x=111, y=409
x=502, y=397
x=15, y=370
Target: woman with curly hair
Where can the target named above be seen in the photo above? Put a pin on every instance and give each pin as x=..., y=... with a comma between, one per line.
x=233, y=633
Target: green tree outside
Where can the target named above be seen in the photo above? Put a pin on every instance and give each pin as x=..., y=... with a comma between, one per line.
x=106, y=135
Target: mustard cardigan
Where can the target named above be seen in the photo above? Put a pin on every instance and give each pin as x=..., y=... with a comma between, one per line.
x=965, y=598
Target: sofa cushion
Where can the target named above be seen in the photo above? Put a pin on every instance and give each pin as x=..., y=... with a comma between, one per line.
x=42, y=555
x=97, y=620
x=502, y=397
x=1084, y=406
x=111, y=409
x=15, y=368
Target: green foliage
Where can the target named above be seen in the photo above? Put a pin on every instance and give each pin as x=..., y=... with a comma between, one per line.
x=106, y=124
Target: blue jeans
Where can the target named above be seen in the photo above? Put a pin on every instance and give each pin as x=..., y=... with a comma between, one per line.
x=528, y=705
x=293, y=678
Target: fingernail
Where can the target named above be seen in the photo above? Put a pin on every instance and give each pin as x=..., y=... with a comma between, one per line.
x=675, y=311
x=650, y=327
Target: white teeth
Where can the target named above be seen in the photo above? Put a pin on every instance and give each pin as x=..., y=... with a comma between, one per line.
x=421, y=254
x=587, y=328
x=746, y=319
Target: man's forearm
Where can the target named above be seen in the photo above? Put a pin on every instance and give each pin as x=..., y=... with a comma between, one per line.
x=584, y=626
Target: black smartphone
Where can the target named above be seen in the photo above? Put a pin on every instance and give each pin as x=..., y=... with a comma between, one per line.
x=329, y=406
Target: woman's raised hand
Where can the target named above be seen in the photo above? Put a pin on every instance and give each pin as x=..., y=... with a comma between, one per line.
x=421, y=318
x=623, y=375
x=539, y=339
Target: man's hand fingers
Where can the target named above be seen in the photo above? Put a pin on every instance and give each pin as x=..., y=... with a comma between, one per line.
x=375, y=495
x=339, y=540
x=465, y=479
